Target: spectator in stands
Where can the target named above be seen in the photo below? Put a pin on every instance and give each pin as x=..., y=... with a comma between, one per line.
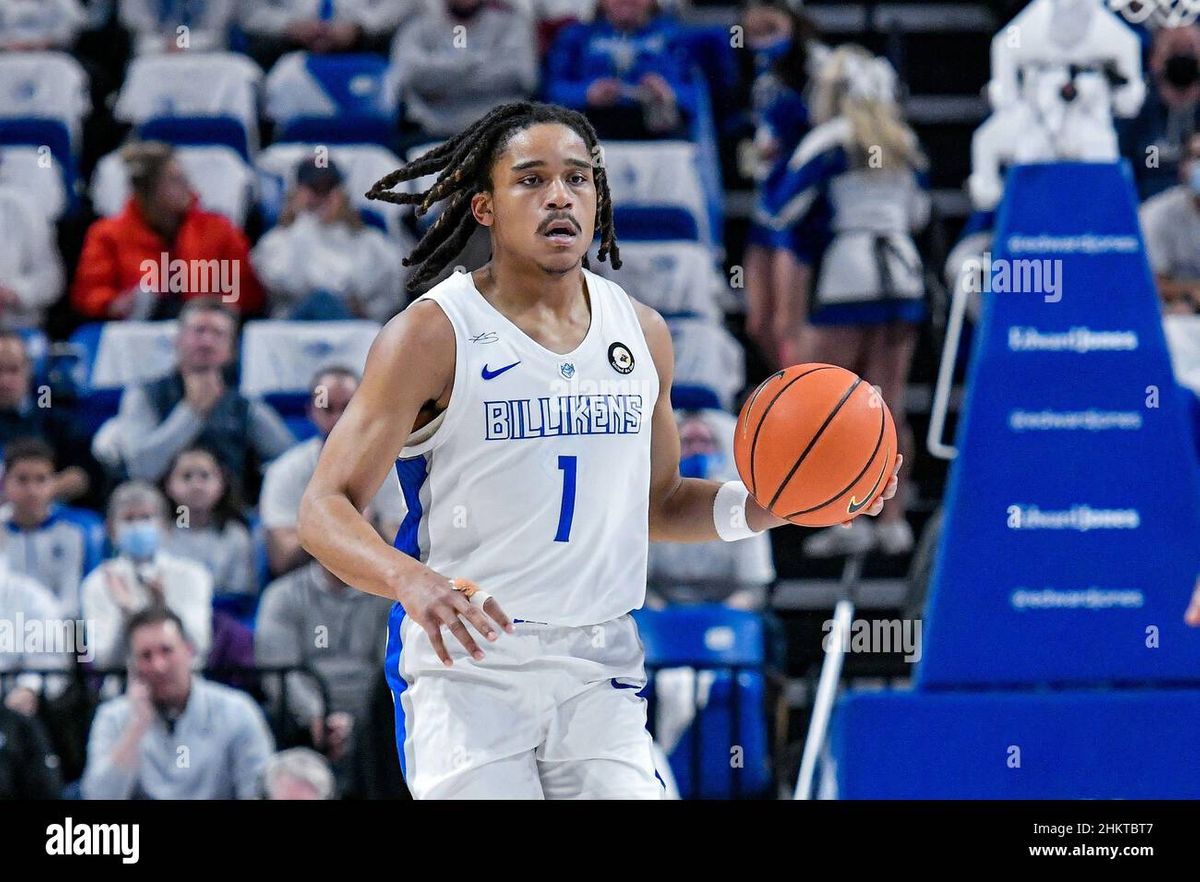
x=24, y=599
x=279, y=506
x=869, y=296
x=159, y=27
x=734, y=573
x=1171, y=228
x=36, y=25
x=488, y=45
x=143, y=575
x=281, y=26
x=29, y=768
x=209, y=526
x=31, y=270
x=52, y=544
x=197, y=404
x=1154, y=140
x=134, y=744
x=778, y=262
x=627, y=70
x=22, y=415
x=298, y=773
x=322, y=262
x=310, y=617
x=162, y=249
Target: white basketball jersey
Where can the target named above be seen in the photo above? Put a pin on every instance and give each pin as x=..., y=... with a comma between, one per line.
x=535, y=480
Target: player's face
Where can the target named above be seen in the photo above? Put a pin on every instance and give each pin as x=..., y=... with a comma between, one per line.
x=543, y=199
x=162, y=660
x=29, y=486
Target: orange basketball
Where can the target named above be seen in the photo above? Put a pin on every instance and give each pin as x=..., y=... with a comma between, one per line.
x=815, y=444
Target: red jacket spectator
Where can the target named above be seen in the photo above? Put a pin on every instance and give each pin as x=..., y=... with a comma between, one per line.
x=123, y=253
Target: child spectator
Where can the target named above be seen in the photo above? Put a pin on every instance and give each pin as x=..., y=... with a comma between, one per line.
x=51, y=543
x=208, y=525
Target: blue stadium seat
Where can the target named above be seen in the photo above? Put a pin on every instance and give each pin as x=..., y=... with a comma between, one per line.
x=345, y=129
x=190, y=130
x=655, y=223
x=95, y=538
x=730, y=643
x=37, y=133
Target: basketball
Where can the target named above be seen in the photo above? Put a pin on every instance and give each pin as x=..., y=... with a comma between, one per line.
x=815, y=444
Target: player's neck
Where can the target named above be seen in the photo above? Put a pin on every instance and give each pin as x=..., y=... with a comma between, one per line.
x=514, y=289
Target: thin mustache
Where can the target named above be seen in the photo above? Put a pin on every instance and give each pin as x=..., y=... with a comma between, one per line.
x=555, y=220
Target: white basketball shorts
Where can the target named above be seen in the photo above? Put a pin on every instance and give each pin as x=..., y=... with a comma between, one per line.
x=551, y=712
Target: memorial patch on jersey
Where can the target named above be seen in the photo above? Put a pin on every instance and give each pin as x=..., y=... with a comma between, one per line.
x=620, y=358
x=518, y=418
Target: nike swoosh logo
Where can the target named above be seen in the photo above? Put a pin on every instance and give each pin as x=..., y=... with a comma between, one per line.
x=616, y=684
x=488, y=375
x=855, y=505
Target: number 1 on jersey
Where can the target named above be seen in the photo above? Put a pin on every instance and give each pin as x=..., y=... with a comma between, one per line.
x=567, y=511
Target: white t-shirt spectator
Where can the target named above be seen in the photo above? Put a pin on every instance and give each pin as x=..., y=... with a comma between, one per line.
x=286, y=478
x=55, y=22
x=187, y=592
x=29, y=260
x=1171, y=227
x=270, y=18
x=307, y=256
x=207, y=25
x=21, y=596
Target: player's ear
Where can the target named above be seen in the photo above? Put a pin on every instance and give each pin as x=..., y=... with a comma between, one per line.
x=481, y=208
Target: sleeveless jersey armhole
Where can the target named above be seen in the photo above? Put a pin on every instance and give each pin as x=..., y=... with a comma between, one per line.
x=432, y=434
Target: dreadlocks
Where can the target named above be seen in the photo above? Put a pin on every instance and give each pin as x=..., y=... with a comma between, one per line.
x=465, y=163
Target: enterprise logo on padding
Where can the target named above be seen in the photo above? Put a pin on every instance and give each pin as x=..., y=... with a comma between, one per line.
x=1079, y=340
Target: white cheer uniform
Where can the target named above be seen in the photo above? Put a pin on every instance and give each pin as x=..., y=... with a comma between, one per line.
x=533, y=483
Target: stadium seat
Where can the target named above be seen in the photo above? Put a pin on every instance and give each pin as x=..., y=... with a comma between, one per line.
x=729, y=644
x=707, y=356
x=27, y=144
x=46, y=85
x=658, y=173
x=186, y=131
x=191, y=84
x=306, y=85
x=655, y=223
x=672, y=277
x=113, y=355
x=345, y=129
x=223, y=180
x=280, y=357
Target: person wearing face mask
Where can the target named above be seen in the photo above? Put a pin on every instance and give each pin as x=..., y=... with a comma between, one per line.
x=143, y=575
x=1171, y=228
x=1154, y=141
x=734, y=573
x=286, y=478
x=322, y=262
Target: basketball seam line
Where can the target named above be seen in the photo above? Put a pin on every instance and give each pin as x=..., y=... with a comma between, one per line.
x=762, y=419
x=846, y=489
x=845, y=397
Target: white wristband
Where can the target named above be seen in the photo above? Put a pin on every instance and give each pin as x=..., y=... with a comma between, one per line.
x=729, y=512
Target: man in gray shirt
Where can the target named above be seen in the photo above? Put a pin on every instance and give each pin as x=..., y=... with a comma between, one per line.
x=195, y=404
x=174, y=735
x=458, y=59
x=279, y=505
x=309, y=617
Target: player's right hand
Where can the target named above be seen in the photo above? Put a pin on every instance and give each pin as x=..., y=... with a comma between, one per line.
x=434, y=604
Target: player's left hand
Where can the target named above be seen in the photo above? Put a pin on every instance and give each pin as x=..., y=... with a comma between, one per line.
x=888, y=492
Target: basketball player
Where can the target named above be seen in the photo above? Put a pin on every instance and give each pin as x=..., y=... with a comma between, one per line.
x=529, y=405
